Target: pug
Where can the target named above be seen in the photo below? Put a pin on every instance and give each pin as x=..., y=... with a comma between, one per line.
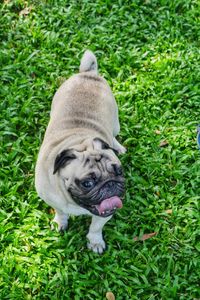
x=77, y=170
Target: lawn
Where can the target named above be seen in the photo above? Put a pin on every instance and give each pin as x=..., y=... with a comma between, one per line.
x=149, y=52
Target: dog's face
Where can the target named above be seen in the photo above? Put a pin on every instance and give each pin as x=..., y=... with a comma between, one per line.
x=93, y=178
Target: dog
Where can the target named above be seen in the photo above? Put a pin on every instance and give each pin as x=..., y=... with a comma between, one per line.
x=77, y=170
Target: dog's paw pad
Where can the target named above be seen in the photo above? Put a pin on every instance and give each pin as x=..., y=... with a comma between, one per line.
x=97, y=247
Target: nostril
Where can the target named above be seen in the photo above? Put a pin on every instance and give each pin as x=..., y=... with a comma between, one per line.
x=117, y=169
x=110, y=184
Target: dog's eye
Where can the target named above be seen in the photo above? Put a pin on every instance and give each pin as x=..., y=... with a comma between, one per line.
x=88, y=183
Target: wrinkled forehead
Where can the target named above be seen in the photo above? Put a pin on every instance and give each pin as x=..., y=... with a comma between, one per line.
x=95, y=156
x=86, y=162
x=90, y=151
x=94, y=161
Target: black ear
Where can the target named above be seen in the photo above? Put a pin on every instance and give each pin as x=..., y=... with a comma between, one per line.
x=105, y=145
x=62, y=158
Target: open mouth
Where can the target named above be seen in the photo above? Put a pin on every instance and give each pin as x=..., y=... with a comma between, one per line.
x=108, y=206
x=103, y=201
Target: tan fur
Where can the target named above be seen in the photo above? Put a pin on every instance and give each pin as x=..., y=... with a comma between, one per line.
x=83, y=109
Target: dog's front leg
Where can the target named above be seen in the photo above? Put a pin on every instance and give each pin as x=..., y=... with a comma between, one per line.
x=61, y=219
x=96, y=241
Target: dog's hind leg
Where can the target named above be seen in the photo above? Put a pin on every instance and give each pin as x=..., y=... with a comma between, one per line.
x=116, y=129
x=61, y=219
x=117, y=146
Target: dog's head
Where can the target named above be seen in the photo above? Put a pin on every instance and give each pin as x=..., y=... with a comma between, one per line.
x=93, y=177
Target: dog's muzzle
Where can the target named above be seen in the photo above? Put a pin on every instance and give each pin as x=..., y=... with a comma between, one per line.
x=104, y=200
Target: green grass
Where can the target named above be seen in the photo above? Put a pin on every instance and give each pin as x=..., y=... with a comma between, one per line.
x=149, y=53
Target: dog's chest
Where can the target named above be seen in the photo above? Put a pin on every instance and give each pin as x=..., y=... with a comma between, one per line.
x=76, y=210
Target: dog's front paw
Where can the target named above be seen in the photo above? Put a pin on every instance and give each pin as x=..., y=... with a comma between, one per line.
x=61, y=222
x=58, y=227
x=97, y=247
x=96, y=242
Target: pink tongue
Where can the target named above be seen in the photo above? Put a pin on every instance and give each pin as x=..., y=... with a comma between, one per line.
x=109, y=204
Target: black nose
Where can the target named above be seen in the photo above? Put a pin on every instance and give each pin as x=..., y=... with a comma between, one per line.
x=110, y=185
x=117, y=169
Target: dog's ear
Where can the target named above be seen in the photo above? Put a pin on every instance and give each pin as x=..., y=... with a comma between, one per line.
x=100, y=144
x=62, y=159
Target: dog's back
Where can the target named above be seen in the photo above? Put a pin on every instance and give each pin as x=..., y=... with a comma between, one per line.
x=85, y=100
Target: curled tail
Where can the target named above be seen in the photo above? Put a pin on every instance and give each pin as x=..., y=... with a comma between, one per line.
x=88, y=62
